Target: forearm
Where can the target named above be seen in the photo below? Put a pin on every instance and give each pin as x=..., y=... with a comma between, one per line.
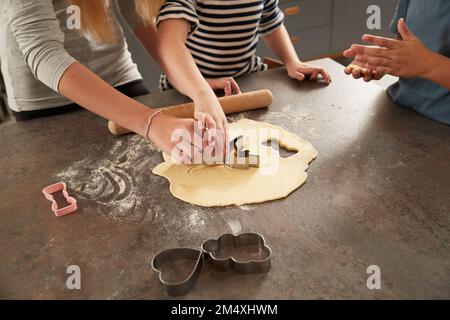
x=178, y=62
x=280, y=43
x=439, y=70
x=182, y=71
x=88, y=90
x=148, y=36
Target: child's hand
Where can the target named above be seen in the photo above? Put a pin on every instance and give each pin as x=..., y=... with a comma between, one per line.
x=228, y=85
x=210, y=116
x=299, y=70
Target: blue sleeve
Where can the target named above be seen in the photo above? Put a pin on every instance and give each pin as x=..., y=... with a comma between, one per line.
x=400, y=12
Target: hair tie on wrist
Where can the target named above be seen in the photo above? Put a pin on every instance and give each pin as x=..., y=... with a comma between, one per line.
x=149, y=123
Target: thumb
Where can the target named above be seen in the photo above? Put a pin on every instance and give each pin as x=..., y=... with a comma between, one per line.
x=404, y=30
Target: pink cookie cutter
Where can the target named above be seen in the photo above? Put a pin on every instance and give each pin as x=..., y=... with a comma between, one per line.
x=72, y=202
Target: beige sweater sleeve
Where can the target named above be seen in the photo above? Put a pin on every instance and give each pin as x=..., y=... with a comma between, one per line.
x=36, y=30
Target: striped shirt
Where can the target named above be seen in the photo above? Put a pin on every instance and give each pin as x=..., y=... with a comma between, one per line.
x=223, y=34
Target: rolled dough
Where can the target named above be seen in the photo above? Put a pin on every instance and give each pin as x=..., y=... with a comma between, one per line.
x=211, y=186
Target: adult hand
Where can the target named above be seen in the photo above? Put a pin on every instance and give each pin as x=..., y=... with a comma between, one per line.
x=299, y=70
x=406, y=58
x=361, y=69
x=227, y=84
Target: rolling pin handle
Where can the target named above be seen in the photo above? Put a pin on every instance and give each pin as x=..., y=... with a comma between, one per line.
x=117, y=130
x=230, y=104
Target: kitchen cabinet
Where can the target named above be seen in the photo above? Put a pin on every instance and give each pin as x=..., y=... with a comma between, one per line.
x=321, y=28
x=350, y=21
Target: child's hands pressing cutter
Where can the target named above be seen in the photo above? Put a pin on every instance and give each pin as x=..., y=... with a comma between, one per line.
x=211, y=120
x=208, y=110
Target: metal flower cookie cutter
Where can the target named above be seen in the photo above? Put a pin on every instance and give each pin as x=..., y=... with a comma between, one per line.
x=71, y=202
x=224, y=253
x=217, y=252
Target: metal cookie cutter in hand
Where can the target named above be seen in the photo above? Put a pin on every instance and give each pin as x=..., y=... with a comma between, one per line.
x=71, y=202
x=214, y=252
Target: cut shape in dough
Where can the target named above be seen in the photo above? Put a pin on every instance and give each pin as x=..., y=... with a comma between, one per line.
x=217, y=185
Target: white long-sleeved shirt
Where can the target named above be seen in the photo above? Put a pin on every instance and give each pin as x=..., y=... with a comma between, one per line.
x=36, y=48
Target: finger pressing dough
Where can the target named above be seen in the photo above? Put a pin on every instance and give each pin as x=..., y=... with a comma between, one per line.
x=218, y=185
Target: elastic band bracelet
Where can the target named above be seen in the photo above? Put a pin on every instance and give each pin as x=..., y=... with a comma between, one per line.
x=149, y=123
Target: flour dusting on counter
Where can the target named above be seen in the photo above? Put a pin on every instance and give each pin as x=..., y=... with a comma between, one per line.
x=111, y=184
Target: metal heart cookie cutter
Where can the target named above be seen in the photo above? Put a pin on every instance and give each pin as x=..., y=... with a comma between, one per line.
x=217, y=253
x=71, y=202
x=240, y=158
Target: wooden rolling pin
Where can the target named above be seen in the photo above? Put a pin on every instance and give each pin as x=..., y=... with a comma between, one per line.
x=230, y=104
